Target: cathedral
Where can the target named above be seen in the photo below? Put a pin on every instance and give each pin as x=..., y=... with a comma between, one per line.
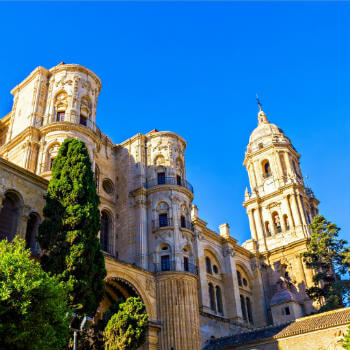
x=198, y=285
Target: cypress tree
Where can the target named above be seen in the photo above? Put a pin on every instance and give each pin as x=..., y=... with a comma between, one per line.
x=330, y=258
x=68, y=234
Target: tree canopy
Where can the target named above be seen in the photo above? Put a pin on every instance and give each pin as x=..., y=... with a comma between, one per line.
x=33, y=305
x=126, y=330
x=330, y=259
x=68, y=235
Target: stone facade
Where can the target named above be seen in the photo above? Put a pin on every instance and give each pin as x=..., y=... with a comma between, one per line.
x=196, y=283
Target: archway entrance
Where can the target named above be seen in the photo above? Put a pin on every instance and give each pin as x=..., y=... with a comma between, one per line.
x=119, y=288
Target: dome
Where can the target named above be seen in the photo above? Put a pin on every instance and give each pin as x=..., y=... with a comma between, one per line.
x=265, y=129
x=283, y=296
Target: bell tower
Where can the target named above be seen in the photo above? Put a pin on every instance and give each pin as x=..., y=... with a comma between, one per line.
x=279, y=208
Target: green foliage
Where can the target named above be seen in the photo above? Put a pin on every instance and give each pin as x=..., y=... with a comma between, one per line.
x=68, y=235
x=33, y=305
x=126, y=330
x=346, y=341
x=330, y=259
x=93, y=338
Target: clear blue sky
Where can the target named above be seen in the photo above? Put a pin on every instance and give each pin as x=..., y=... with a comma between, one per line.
x=194, y=68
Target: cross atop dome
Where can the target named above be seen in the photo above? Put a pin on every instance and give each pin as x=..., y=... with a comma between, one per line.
x=262, y=119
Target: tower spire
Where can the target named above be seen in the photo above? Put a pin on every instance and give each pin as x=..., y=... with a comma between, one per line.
x=262, y=119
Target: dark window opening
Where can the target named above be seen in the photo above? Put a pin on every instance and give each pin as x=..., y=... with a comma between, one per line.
x=267, y=169
x=83, y=120
x=178, y=180
x=215, y=269
x=208, y=265
x=239, y=278
x=60, y=116
x=161, y=178
x=245, y=282
x=219, y=299
x=163, y=220
x=186, y=264
x=286, y=310
x=165, y=262
x=244, y=311
x=212, y=297
x=183, y=221
x=249, y=310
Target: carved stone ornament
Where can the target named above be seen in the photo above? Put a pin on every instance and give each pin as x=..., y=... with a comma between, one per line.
x=228, y=251
x=253, y=265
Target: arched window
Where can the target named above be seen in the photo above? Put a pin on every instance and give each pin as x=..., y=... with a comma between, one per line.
x=183, y=221
x=105, y=231
x=61, y=103
x=249, y=310
x=208, y=265
x=267, y=228
x=219, y=300
x=9, y=216
x=212, y=297
x=286, y=222
x=239, y=278
x=32, y=232
x=276, y=222
x=244, y=311
x=85, y=107
x=51, y=155
x=266, y=168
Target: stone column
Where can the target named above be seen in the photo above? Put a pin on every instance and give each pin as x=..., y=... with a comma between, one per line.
x=252, y=224
x=295, y=211
x=22, y=223
x=232, y=306
x=141, y=228
x=152, y=335
x=177, y=309
x=290, y=216
x=301, y=269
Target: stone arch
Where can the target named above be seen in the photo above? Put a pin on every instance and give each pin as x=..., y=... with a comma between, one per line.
x=242, y=266
x=159, y=160
x=10, y=214
x=85, y=105
x=125, y=279
x=60, y=105
x=215, y=256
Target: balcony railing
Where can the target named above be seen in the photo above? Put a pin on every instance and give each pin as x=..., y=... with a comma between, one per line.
x=171, y=266
x=169, y=180
x=156, y=224
x=38, y=123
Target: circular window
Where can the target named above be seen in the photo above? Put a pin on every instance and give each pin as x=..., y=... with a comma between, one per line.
x=215, y=269
x=245, y=283
x=108, y=186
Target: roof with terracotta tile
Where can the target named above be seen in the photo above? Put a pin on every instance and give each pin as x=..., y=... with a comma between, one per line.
x=302, y=325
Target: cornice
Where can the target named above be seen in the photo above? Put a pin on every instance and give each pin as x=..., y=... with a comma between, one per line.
x=29, y=131
x=132, y=139
x=176, y=188
x=272, y=194
x=166, y=133
x=279, y=146
x=25, y=174
x=285, y=247
x=30, y=78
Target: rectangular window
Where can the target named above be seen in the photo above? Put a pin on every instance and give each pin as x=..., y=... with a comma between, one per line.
x=178, y=180
x=286, y=310
x=186, y=265
x=183, y=222
x=165, y=262
x=60, y=116
x=163, y=220
x=161, y=178
x=83, y=120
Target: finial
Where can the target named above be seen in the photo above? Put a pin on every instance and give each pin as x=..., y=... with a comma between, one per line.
x=258, y=101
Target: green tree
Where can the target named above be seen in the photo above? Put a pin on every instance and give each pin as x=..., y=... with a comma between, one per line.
x=126, y=330
x=330, y=259
x=33, y=305
x=68, y=235
x=346, y=341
